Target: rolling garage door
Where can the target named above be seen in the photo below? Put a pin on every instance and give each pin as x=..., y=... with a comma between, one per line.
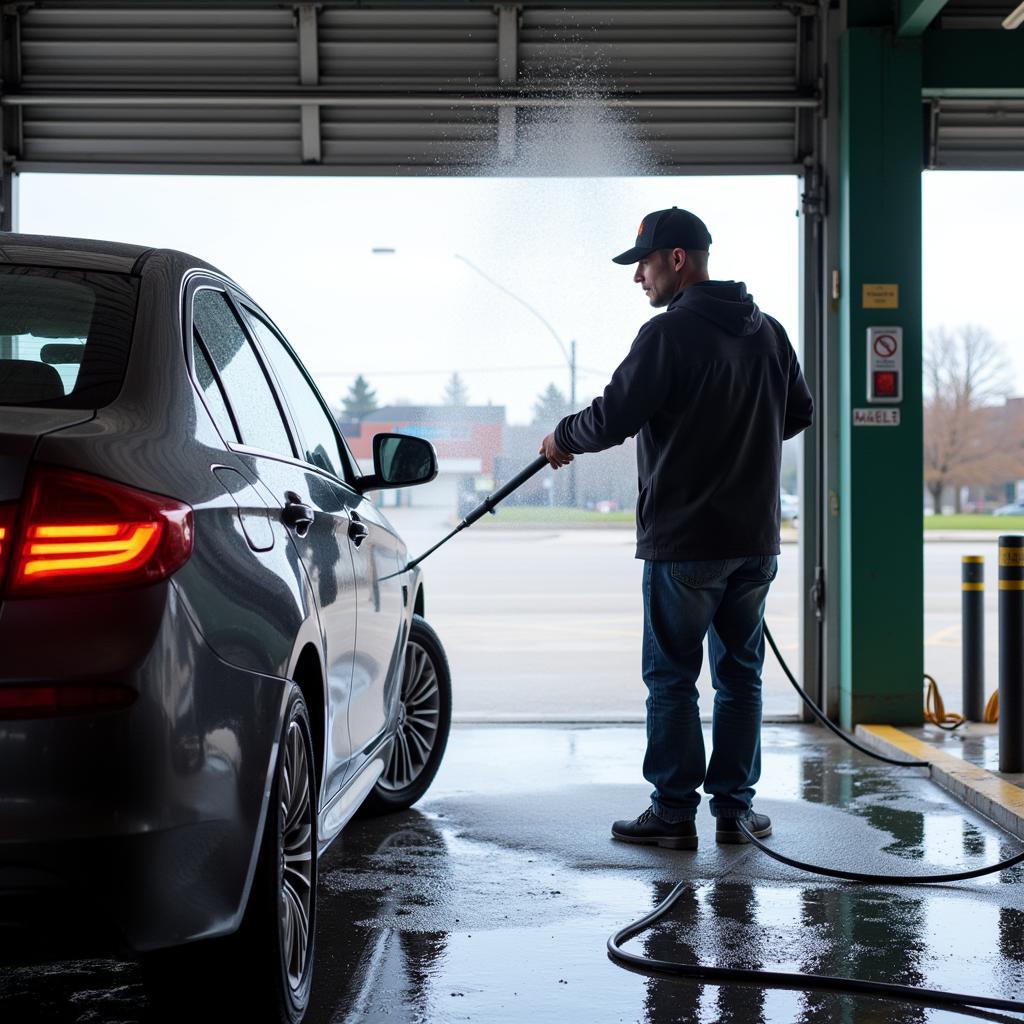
x=975, y=134
x=404, y=87
x=420, y=88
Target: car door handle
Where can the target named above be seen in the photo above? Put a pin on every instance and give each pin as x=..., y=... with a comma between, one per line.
x=297, y=514
x=357, y=530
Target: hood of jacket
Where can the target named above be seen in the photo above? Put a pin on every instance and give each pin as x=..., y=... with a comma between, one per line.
x=727, y=304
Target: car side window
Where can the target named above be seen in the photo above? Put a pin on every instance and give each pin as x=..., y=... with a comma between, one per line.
x=318, y=438
x=211, y=391
x=247, y=387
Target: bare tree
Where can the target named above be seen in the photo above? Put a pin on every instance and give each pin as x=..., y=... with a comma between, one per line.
x=966, y=374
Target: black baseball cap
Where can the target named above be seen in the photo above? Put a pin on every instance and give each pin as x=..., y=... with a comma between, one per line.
x=667, y=229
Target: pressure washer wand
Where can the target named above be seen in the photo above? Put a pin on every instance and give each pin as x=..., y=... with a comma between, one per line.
x=487, y=505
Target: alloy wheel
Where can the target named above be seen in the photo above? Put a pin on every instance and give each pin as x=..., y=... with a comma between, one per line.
x=418, y=718
x=296, y=856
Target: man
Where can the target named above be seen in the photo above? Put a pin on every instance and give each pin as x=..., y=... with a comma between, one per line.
x=711, y=387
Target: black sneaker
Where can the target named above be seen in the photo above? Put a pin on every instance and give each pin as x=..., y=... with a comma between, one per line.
x=650, y=830
x=727, y=831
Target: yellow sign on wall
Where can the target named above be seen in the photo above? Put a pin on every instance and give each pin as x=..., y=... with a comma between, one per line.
x=881, y=296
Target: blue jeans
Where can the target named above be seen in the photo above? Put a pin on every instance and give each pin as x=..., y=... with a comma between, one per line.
x=684, y=601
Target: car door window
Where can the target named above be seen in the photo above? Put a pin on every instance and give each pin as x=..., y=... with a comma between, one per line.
x=247, y=387
x=212, y=393
x=318, y=438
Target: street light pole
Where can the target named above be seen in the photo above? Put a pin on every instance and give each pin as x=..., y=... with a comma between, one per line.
x=572, y=405
x=570, y=356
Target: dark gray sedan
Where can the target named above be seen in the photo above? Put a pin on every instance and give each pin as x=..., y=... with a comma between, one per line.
x=213, y=656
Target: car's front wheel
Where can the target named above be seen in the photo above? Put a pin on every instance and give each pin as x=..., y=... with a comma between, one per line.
x=424, y=721
x=265, y=969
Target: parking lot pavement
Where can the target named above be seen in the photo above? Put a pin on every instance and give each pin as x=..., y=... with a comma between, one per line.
x=492, y=900
x=546, y=624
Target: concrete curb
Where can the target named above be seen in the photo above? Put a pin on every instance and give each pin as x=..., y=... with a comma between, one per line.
x=789, y=536
x=964, y=536
x=997, y=799
x=582, y=719
x=496, y=526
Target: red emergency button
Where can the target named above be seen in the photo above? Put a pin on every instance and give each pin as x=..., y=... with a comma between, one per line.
x=885, y=383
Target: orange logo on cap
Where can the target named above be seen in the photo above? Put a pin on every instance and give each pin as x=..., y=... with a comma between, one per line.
x=640, y=230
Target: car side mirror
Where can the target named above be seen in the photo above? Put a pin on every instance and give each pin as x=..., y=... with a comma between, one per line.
x=400, y=461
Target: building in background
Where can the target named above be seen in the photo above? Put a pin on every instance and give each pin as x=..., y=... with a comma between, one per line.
x=468, y=439
x=987, y=462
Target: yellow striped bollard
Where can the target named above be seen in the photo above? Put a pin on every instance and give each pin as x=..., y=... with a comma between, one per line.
x=1011, y=654
x=972, y=646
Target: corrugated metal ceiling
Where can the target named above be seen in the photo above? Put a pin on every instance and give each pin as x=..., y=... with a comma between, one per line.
x=976, y=134
x=399, y=87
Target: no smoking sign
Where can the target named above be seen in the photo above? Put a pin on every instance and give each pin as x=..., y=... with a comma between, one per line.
x=885, y=346
x=885, y=364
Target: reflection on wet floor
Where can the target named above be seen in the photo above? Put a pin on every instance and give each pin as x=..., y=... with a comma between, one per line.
x=527, y=963
x=975, y=742
x=493, y=901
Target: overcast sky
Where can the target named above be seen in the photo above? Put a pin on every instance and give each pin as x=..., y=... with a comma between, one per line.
x=303, y=248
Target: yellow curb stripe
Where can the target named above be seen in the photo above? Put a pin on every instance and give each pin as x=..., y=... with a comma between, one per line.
x=973, y=559
x=972, y=586
x=1001, y=793
x=1011, y=584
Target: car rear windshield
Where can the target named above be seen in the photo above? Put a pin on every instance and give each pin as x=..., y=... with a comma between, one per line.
x=64, y=336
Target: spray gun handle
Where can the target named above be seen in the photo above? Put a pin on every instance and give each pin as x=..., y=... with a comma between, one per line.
x=489, y=503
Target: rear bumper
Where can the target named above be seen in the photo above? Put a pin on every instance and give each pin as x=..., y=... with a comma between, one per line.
x=142, y=824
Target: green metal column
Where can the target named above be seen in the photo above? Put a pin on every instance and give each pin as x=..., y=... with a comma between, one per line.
x=880, y=500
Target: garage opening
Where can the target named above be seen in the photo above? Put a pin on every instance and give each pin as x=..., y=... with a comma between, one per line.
x=456, y=301
x=973, y=386
x=441, y=257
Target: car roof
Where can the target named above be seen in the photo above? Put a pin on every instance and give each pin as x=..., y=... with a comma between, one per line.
x=80, y=253
x=85, y=253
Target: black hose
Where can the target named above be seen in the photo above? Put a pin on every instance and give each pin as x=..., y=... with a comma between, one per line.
x=783, y=979
x=827, y=722
x=855, y=876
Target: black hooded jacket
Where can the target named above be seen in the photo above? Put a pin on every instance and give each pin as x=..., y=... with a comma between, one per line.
x=711, y=387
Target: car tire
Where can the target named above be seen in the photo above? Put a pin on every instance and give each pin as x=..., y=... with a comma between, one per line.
x=264, y=971
x=425, y=718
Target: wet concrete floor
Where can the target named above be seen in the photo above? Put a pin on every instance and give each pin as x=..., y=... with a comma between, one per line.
x=976, y=742
x=493, y=899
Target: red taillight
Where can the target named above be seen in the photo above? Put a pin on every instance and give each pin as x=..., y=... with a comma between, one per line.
x=52, y=701
x=7, y=513
x=82, y=532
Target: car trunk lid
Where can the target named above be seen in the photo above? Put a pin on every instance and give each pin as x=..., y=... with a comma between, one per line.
x=20, y=431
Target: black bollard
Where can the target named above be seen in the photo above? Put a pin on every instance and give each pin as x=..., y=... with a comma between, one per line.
x=972, y=603
x=1011, y=654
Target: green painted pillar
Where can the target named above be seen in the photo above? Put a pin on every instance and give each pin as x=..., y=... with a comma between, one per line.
x=880, y=502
